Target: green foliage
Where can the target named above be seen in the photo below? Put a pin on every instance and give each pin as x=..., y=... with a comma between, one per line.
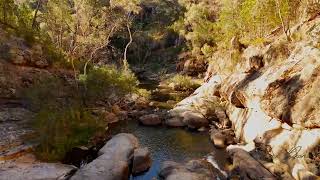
x=209, y=26
x=63, y=129
x=107, y=83
x=198, y=24
x=253, y=19
x=18, y=19
x=182, y=83
x=144, y=94
x=63, y=120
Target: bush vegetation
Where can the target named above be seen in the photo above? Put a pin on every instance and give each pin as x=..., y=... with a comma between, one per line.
x=64, y=119
x=182, y=83
x=209, y=26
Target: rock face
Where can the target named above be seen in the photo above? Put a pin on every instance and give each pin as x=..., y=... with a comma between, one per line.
x=19, y=53
x=150, y=120
x=15, y=132
x=141, y=160
x=193, y=170
x=113, y=161
x=271, y=99
x=278, y=104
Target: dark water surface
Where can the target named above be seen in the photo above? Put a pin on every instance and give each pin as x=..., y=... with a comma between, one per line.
x=174, y=144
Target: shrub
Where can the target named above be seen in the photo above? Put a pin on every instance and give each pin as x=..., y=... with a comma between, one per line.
x=183, y=83
x=143, y=93
x=108, y=83
x=62, y=129
x=64, y=120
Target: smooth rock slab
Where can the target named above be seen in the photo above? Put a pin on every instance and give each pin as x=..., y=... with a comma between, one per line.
x=38, y=171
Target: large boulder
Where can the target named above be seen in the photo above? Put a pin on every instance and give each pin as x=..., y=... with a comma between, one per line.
x=113, y=161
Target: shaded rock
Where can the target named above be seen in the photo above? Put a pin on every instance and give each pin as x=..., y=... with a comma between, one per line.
x=222, y=138
x=137, y=113
x=37, y=171
x=79, y=155
x=229, y=87
x=14, y=78
x=218, y=139
x=150, y=120
x=141, y=160
x=193, y=170
x=247, y=166
x=194, y=120
x=174, y=122
x=190, y=65
x=113, y=160
x=253, y=59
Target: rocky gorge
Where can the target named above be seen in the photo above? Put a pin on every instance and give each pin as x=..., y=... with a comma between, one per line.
x=262, y=121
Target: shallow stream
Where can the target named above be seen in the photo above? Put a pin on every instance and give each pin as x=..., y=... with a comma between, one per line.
x=174, y=144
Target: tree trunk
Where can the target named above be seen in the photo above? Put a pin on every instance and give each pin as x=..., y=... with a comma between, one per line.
x=285, y=31
x=36, y=13
x=125, y=61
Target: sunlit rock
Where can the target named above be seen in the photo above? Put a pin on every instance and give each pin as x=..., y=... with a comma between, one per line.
x=113, y=160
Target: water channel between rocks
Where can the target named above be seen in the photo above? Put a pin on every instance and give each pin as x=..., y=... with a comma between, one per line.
x=173, y=144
